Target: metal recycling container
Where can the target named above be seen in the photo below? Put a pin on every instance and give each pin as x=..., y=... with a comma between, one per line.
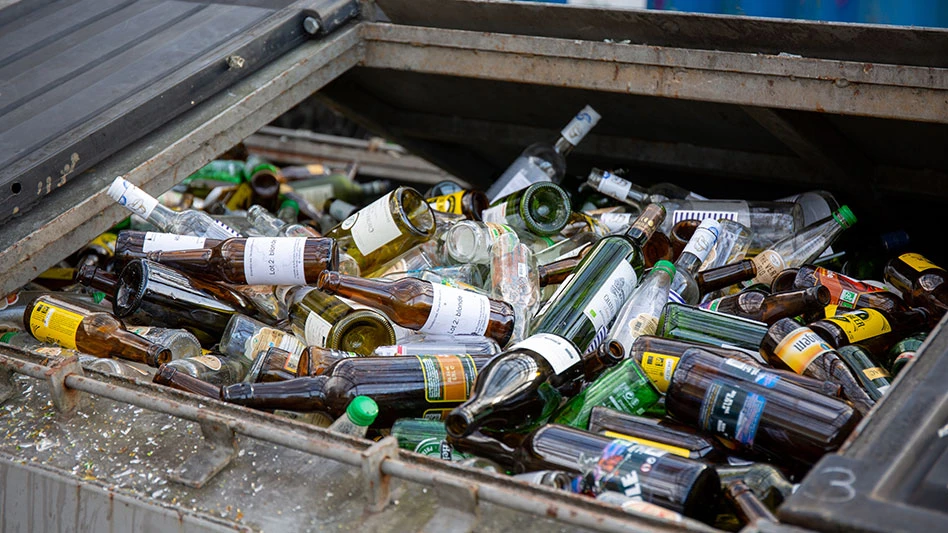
x=754, y=108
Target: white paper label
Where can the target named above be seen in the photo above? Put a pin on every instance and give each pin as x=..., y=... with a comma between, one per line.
x=559, y=352
x=267, y=338
x=694, y=214
x=769, y=263
x=210, y=361
x=134, y=199
x=496, y=214
x=518, y=182
x=703, y=240
x=274, y=261
x=577, y=128
x=457, y=312
x=316, y=330
x=374, y=226
x=614, y=186
x=617, y=221
x=611, y=295
x=169, y=242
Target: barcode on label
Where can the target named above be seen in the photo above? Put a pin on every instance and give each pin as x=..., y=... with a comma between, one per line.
x=692, y=214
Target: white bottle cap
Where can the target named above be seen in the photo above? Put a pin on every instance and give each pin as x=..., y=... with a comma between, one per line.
x=577, y=128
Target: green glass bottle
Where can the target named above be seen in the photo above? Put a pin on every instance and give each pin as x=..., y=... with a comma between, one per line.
x=326, y=321
x=904, y=352
x=873, y=378
x=425, y=436
x=583, y=308
x=685, y=323
x=540, y=209
x=624, y=388
x=216, y=173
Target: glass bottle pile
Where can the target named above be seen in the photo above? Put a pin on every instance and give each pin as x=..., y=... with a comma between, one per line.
x=645, y=346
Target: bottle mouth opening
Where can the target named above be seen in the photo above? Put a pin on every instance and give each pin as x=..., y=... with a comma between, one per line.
x=462, y=244
x=547, y=206
x=130, y=290
x=362, y=332
x=415, y=212
x=458, y=424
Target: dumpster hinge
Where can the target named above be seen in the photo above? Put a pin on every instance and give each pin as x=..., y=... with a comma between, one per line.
x=377, y=482
x=328, y=16
x=219, y=449
x=65, y=400
x=457, y=507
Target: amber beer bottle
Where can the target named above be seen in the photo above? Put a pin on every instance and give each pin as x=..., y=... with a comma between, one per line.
x=921, y=282
x=659, y=357
x=70, y=325
x=769, y=308
x=425, y=306
x=258, y=260
x=747, y=506
x=789, y=345
x=175, y=378
x=756, y=410
x=423, y=385
x=874, y=329
x=845, y=292
x=724, y=276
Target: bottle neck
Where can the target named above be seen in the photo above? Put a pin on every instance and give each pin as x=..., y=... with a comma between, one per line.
x=365, y=291
x=687, y=263
x=304, y=394
x=193, y=258
x=135, y=348
x=563, y=146
x=98, y=279
x=172, y=377
x=724, y=276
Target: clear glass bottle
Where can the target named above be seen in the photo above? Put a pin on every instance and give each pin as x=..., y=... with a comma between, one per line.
x=214, y=368
x=188, y=222
x=514, y=279
x=435, y=344
x=247, y=338
x=385, y=229
x=639, y=315
x=541, y=161
x=802, y=247
x=181, y=343
x=471, y=241
x=684, y=288
x=359, y=415
x=137, y=244
x=769, y=222
x=271, y=226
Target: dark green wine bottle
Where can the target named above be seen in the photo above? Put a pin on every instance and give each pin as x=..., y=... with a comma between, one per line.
x=540, y=209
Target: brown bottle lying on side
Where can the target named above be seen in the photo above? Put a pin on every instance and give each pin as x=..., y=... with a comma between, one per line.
x=755, y=410
x=419, y=386
x=845, y=292
x=769, y=308
x=71, y=325
x=724, y=276
x=132, y=244
x=258, y=260
x=426, y=307
x=664, y=434
x=875, y=330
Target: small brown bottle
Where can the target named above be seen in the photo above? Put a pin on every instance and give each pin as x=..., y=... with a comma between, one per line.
x=258, y=260
x=791, y=346
x=748, y=508
x=755, y=410
x=423, y=306
x=769, y=308
x=70, y=325
x=724, y=276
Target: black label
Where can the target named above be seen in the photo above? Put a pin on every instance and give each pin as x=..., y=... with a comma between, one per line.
x=731, y=412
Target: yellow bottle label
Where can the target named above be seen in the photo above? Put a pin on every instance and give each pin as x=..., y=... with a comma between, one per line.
x=60, y=273
x=315, y=169
x=875, y=373
x=831, y=310
x=448, y=378
x=449, y=203
x=241, y=197
x=917, y=261
x=861, y=324
x=105, y=241
x=49, y=323
x=800, y=348
x=681, y=452
x=659, y=368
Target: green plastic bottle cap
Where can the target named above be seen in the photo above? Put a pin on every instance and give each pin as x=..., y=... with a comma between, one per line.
x=291, y=203
x=7, y=336
x=667, y=266
x=362, y=410
x=98, y=296
x=845, y=216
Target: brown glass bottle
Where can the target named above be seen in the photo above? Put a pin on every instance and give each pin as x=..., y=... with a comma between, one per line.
x=71, y=325
x=151, y=294
x=132, y=244
x=657, y=476
x=423, y=306
x=789, y=345
x=659, y=357
x=324, y=320
x=423, y=385
x=556, y=272
x=874, y=329
x=921, y=282
x=722, y=277
x=755, y=410
x=258, y=260
x=767, y=482
x=680, y=440
x=769, y=308
x=320, y=360
x=845, y=292
x=748, y=508
x=470, y=203
x=177, y=379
